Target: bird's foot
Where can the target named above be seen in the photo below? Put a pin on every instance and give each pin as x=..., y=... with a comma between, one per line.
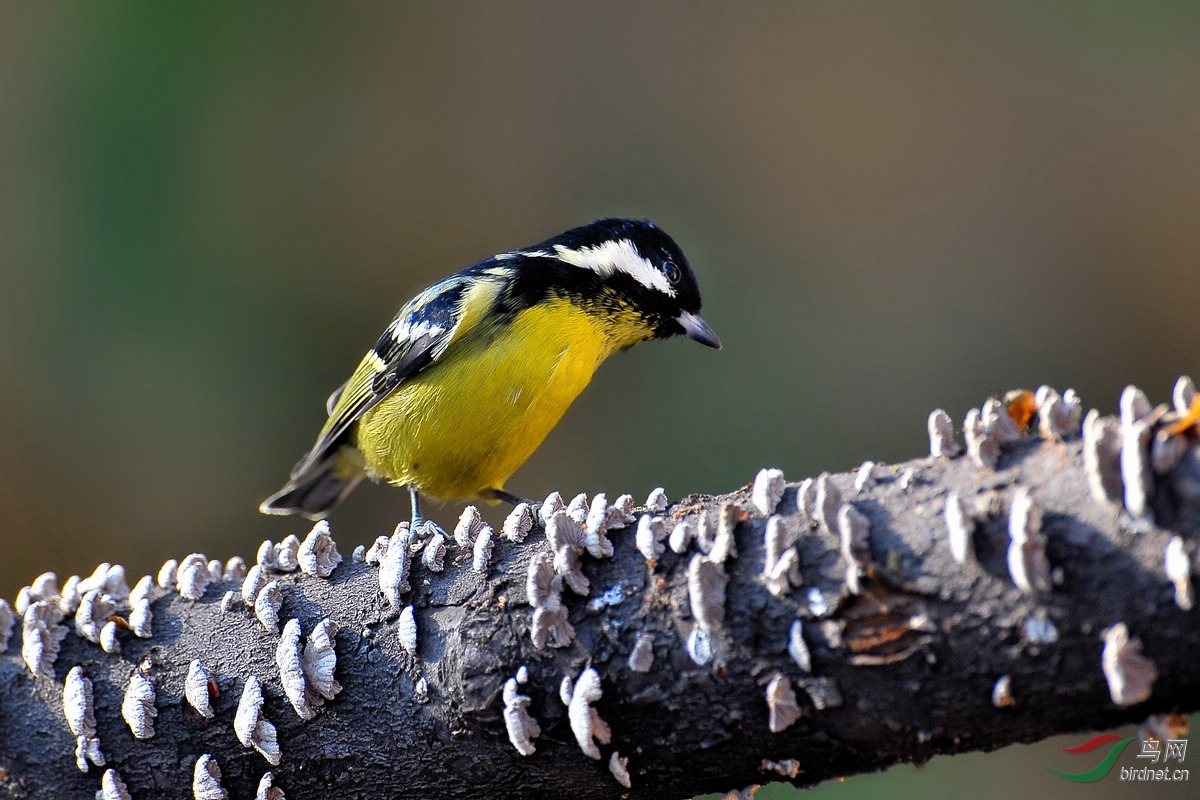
x=426, y=528
x=421, y=528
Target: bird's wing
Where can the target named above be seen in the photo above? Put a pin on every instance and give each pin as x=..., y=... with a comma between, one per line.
x=429, y=325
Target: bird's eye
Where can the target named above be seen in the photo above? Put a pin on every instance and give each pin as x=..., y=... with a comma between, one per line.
x=672, y=271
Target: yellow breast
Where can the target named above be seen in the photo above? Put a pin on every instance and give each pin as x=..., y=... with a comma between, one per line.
x=465, y=424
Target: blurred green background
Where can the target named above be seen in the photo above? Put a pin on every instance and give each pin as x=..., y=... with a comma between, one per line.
x=208, y=212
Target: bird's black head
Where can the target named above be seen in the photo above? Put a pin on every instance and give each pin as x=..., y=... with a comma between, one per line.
x=640, y=265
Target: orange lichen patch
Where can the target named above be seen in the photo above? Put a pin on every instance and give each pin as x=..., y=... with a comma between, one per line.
x=884, y=624
x=748, y=793
x=1022, y=407
x=868, y=637
x=1176, y=726
x=682, y=511
x=1163, y=727
x=723, y=544
x=1187, y=420
x=1002, y=695
x=1179, y=725
x=788, y=768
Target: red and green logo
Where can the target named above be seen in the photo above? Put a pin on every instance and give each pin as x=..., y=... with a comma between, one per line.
x=1100, y=770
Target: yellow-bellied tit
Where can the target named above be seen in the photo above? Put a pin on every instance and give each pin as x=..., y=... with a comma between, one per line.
x=475, y=371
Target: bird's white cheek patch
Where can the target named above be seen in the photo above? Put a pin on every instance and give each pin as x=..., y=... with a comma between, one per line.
x=616, y=256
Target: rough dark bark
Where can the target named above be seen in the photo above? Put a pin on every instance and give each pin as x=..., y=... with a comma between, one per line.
x=685, y=728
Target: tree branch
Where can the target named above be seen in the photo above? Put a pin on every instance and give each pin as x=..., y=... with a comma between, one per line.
x=899, y=653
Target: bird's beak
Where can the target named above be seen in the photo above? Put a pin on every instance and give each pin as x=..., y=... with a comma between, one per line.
x=696, y=328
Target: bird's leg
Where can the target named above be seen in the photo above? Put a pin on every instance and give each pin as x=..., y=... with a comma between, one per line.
x=507, y=497
x=420, y=526
x=416, y=508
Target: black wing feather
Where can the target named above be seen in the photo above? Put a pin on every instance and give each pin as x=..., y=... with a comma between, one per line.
x=414, y=340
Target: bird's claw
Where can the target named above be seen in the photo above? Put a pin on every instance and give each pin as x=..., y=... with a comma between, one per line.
x=426, y=529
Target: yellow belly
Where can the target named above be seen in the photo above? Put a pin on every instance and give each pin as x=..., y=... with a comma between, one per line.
x=468, y=422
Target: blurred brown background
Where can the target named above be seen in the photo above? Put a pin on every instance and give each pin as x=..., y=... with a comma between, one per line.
x=207, y=213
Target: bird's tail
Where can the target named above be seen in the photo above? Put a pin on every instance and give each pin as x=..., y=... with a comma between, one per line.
x=316, y=487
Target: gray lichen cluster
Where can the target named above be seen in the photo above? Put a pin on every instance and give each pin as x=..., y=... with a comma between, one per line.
x=1123, y=457
x=103, y=605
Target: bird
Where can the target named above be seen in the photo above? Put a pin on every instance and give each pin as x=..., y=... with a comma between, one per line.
x=473, y=373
